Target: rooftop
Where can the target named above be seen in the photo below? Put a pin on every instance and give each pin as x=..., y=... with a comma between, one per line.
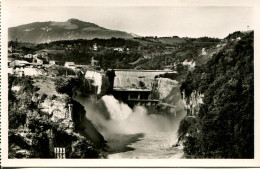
x=70, y=63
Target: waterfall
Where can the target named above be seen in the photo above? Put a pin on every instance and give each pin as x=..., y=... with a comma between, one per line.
x=113, y=109
x=117, y=117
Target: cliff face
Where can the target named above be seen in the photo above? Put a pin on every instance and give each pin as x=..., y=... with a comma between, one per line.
x=43, y=119
x=192, y=103
x=165, y=86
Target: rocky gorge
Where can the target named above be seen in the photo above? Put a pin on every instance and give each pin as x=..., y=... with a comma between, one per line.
x=41, y=119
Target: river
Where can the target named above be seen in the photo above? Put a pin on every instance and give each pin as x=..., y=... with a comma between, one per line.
x=156, y=145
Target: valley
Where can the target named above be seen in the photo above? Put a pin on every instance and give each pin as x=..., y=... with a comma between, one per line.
x=114, y=95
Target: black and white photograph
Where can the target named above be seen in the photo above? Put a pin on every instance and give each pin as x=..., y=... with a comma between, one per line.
x=122, y=81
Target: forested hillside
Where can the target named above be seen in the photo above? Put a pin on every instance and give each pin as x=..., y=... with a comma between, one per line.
x=224, y=124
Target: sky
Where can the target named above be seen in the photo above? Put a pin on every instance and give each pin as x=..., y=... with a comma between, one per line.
x=183, y=21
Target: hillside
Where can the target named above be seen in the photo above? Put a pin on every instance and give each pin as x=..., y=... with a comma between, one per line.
x=41, y=32
x=137, y=53
x=221, y=126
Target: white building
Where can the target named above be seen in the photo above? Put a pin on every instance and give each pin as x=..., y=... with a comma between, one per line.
x=95, y=48
x=28, y=56
x=38, y=61
x=119, y=49
x=147, y=57
x=70, y=65
x=52, y=62
x=35, y=56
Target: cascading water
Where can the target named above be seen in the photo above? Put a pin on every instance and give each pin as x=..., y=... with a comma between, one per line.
x=127, y=121
x=122, y=127
x=113, y=109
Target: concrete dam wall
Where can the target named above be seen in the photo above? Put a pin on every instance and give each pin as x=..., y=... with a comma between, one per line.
x=131, y=78
x=131, y=86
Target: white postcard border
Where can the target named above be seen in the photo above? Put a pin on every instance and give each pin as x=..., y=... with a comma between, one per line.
x=124, y=162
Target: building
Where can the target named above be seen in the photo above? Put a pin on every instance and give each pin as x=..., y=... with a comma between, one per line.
x=69, y=47
x=147, y=57
x=28, y=56
x=95, y=48
x=38, y=61
x=52, y=62
x=35, y=56
x=42, y=54
x=119, y=49
x=70, y=65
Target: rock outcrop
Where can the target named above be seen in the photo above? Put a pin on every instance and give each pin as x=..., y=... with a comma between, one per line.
x=192, y=103
x=165, y=86
x=43, y=119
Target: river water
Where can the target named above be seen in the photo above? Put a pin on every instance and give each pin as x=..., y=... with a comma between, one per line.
x=133, y=133
x=156, y=145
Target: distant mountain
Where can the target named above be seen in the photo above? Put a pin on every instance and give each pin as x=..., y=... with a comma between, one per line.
x=41, y=32
x=134, y=35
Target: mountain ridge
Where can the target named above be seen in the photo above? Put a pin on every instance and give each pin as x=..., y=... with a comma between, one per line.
x=48, y=31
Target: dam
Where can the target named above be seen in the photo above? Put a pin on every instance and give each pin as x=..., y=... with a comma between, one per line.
x=137, y=87
x=134, y=87
x=129, y=78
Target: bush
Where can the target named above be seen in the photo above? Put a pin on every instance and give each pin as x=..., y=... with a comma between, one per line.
x=84, y=149
x=67, y=85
